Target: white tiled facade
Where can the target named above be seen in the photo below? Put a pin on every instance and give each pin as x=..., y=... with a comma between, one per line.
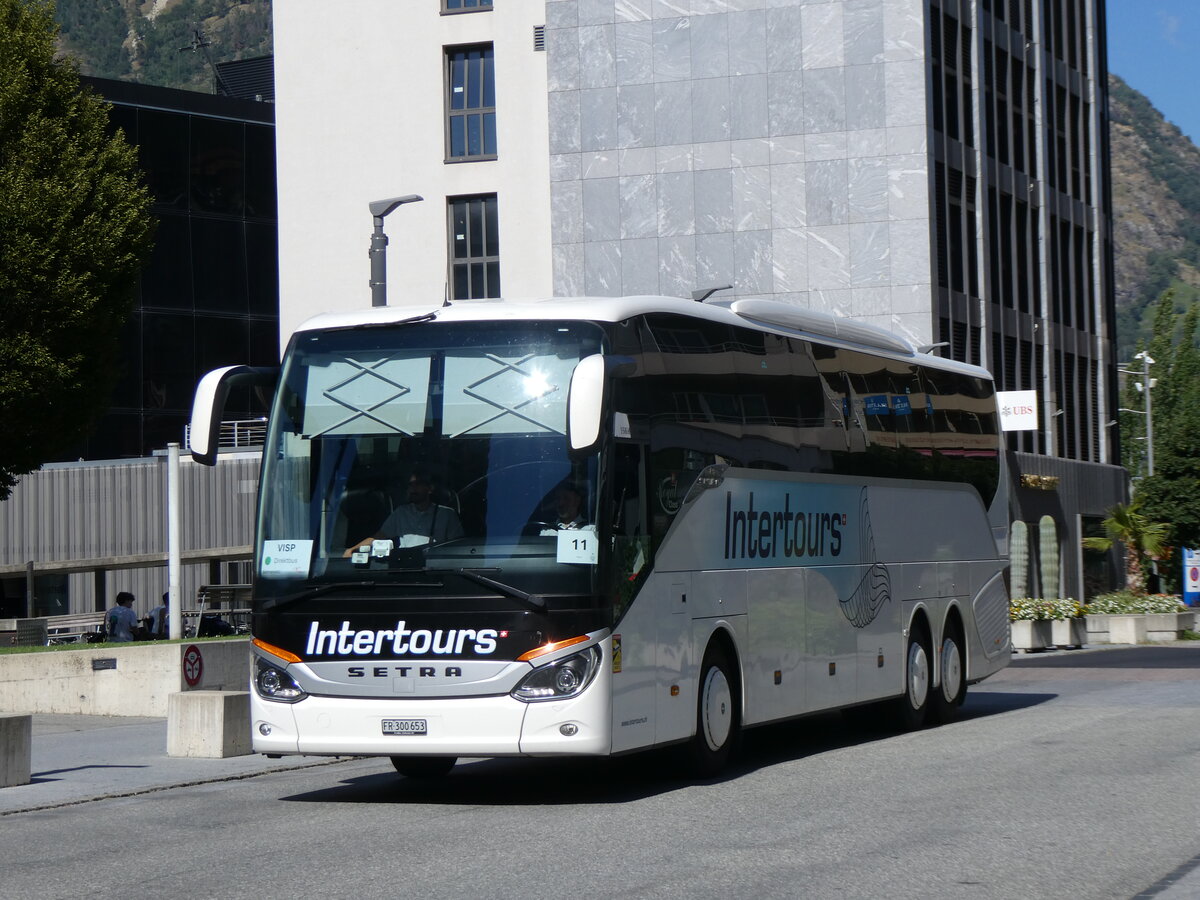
x=780, y=148
x=851, y=156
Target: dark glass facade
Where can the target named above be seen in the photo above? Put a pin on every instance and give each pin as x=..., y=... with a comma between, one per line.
x=1022, y=243
x=209, y=295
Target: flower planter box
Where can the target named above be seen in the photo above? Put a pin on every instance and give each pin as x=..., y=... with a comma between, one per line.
x=1068, y=632
x=1168, y=626
x=1029, y=635
x=1127, y=629
x=1097, y=629
x=1138, y=629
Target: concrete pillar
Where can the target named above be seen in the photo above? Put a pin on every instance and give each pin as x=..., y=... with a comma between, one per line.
x=212, y=724
x=16, y=741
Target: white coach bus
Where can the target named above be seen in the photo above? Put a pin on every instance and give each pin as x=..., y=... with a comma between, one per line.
x=589, y=527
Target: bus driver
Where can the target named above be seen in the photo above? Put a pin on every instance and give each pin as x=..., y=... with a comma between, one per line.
x=418, y=522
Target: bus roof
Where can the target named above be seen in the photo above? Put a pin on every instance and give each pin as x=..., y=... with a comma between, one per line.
x=771, y=316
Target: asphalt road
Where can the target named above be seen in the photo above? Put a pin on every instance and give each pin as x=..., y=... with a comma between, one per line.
x=1073, y=775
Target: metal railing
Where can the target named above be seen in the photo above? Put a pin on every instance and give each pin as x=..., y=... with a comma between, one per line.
x=235, y=435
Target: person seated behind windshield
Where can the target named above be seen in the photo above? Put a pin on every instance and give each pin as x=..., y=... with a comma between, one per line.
x=568, y=509
x=419, y=518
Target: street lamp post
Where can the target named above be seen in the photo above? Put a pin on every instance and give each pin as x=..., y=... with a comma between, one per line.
x=1144, y=387
x=379, y=209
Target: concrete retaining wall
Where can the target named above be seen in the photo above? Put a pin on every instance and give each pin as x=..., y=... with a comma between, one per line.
x=119, y=680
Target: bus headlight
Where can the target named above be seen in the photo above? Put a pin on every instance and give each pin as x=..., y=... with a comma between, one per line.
x=559, y=680
x=273, y=683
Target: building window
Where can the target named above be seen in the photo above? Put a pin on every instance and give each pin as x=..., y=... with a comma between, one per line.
x=465, y=6
x=470, y=103
x=474, y=248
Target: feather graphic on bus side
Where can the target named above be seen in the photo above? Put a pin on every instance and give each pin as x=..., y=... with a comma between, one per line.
x=875, y=588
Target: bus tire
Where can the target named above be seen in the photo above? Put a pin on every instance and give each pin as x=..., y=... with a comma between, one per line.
x=718, y=716
x=912, y=709
x=424, y=766
x=952, y=688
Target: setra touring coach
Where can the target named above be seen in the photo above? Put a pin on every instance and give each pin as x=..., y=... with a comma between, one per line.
x=594, y=526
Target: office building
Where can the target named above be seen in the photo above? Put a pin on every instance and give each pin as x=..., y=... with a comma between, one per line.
x=938, y=167
x=94, y=522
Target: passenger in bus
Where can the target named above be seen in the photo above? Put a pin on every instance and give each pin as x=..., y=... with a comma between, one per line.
x=418, y=522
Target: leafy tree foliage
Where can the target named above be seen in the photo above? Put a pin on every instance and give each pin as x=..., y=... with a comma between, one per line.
x=1172, y=493
x=1144, y=540
x=101, y=28
x=74, y=229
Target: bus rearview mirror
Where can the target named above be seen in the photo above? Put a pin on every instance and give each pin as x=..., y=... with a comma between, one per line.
x=585, y=404
x=208, y=406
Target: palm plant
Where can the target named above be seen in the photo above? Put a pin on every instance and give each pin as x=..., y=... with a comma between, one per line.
x=1142, y=538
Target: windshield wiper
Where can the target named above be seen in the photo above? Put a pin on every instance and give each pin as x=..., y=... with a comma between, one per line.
x=301, y=596
x=535, y=602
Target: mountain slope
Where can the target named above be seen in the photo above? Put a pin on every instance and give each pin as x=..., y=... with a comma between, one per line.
x=165, y=42
x=1156, y=210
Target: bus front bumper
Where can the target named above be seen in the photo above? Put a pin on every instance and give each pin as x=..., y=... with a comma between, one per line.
x=468, y=726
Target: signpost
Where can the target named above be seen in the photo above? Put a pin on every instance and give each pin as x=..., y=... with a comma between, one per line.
x=193, y=665
x=1191, y=577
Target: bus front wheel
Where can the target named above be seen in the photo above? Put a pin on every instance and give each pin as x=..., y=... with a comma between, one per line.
x=424, y=766
x=953, y=687
x=718, y=718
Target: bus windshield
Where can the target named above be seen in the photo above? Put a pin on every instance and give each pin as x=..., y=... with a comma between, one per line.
x=430, y=457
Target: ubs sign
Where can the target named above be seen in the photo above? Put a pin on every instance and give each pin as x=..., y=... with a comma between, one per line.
x=1018, y=410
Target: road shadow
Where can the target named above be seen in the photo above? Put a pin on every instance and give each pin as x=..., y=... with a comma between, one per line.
x=981, y=704
x=42, y=777
x=556, y=782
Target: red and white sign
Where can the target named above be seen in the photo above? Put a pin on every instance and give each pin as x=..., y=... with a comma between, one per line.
x=1018, y=410
x=193, y=665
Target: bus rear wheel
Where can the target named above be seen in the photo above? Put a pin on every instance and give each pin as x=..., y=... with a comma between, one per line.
x=718, y=717
x=911, y=710
x=424, y=766
x=953, y=688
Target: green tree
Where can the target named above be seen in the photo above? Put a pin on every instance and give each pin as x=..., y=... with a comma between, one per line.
x=74, y=229
x=1172, y=493
x=1143, y=538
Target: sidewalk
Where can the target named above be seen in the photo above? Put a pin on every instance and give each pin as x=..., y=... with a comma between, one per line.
x=80, y=758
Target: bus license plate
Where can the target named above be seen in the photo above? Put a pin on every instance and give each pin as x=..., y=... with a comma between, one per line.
x=405, y=726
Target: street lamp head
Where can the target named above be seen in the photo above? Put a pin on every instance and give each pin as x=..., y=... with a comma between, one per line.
x=380, y=208
x=379, y=242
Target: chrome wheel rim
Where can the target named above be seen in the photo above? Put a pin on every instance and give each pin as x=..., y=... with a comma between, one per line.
x=716, y=709
x=918, y=675
x=951, y=670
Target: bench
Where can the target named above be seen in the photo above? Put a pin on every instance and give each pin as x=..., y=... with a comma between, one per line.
x=223, y=595
x=233, y=599
x=71, y=628
x=74, y=628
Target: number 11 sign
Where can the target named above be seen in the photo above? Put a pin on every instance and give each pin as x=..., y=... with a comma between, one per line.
x=577, y=545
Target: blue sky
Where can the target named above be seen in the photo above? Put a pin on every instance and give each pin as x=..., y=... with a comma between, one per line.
x=1152, y=45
